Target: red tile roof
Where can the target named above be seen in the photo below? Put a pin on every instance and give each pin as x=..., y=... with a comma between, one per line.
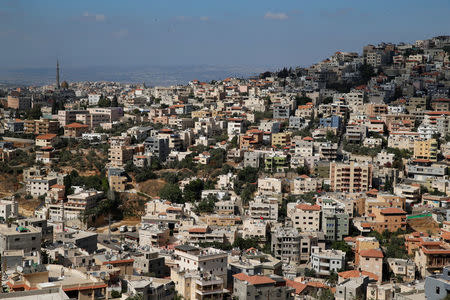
x=76, y=125
x=392, y=211
x=356, y=273
x=48, y=136
x=317, y=284
x=298, y=286
x=308, y=207
x=371, y=253
x=58, y=186
x=198, y=230
x=255, y=280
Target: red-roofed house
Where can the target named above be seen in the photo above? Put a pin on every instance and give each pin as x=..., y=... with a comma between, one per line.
x=261, y=287
x=441, y=104
x=75, y=130
x=371, y=260
x=355, y=273
x=390, y=219
x=46, y=140
x=431, y=257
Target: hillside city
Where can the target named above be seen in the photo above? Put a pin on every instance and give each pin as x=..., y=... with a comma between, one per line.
x=325, y=182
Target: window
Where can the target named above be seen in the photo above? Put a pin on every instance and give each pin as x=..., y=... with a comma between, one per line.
x=438, y=290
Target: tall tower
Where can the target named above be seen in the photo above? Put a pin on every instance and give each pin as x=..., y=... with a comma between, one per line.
x=62, y=215
x=57, y=74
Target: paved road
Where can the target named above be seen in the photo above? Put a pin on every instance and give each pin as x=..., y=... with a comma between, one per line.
x=102, y=237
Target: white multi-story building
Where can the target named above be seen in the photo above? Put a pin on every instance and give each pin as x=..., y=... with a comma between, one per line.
x=93, y=99
x=255, y=228
x=208, y=260
x=384, y=158
x=269, y=186
x=326, y=261
x=8, y=209
x=304, y=184
x=235, y=127
x=225, y=181
x=39, y=185
x=263, y=207
x=77, y=203
x=154, y=235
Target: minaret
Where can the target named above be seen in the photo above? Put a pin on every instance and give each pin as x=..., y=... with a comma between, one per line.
x=57, y=75
x=62, y=215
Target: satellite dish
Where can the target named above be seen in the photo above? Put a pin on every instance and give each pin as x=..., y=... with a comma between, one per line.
x=19, y=268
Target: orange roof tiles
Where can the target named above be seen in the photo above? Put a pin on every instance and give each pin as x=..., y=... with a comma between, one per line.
x=392, y=211
x=48, y=136
x=198, y=230
x=371, y=253
x=298, y=286
x=308, y=207
x=356, y=273
x=445, y=235
x=76, y=125
x=317, y=284
x=58, y=186
x=255, y=280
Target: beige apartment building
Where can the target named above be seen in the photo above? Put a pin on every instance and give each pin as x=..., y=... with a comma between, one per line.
x=263, y=207
x=41, y=127
x=350, y=177
x=402, y=140
x=372, y=261
x=281, y=139
x=304, y=217
x=269, y=186
x=304, y=184
x=426, y=149
x=119, y=156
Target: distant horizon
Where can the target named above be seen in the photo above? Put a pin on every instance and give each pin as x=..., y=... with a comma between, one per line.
x=151, y=75
x=71, y=73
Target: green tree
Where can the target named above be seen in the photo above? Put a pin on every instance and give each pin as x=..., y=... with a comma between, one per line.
x=366, y=72
x=172, y=193
x=332, y=278
x=303, y=170
x=343, y=246
x=247, y=193
x=114, y=102
x=34, y=113
x=138, y=296
x=310, y=273
x=245, y=244
x=234, y=142
x=396, y=248
x=104, y=102
x=326, y=294
x=206, y=205
x=115, y=294
x=193, y=190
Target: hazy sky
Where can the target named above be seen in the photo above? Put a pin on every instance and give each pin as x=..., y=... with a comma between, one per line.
x=216, y=32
